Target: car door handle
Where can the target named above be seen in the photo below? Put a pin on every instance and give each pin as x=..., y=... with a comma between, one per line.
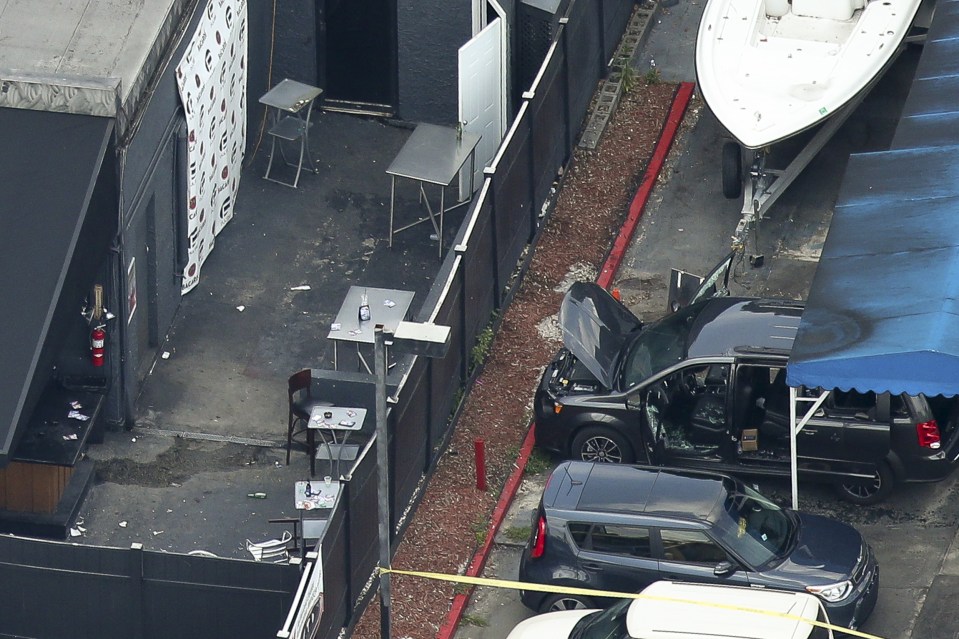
x=809, y=431
x=591, y=566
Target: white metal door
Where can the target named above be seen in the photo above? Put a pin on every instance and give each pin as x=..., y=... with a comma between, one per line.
x=481, y=97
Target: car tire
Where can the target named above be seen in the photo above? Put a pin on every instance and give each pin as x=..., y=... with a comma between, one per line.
x=732, y=170
x=865, y=492
x=557, y=603
x=600, y=444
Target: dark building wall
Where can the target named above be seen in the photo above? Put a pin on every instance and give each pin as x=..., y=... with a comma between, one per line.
x=294, y=51
x=512, y=100
x=289, y=37
x=260, y=13
x=149, y=235
x=429, y=35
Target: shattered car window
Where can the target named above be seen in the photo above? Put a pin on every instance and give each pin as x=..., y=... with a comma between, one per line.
x=655, y=349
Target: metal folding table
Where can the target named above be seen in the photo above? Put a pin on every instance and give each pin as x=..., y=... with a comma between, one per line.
x=332, y=420
x=432, y=155
x=388, y=307
x=295, y=99
x=309, y=496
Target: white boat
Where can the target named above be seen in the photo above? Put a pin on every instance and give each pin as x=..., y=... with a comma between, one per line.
x=769, y=69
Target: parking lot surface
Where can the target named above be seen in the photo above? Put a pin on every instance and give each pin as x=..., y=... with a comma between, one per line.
x=687, y=224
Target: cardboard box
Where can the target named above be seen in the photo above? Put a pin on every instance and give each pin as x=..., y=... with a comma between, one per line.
x=750, y=439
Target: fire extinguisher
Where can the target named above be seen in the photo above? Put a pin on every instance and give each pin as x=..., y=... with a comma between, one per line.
x=98, y=338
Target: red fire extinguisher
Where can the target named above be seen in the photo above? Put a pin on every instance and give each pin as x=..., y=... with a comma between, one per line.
x=98, y=338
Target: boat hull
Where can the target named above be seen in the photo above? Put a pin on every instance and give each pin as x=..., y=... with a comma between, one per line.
x=769, y=69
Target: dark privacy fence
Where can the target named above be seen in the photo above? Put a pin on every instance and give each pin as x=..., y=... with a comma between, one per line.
x=477, y=278
x=112, y=593
x=55, y=589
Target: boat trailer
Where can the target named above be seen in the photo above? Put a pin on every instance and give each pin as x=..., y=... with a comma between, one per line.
x=761, y=185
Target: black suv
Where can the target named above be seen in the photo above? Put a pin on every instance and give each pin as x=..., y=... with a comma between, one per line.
x=619, y=528
x=705, y=387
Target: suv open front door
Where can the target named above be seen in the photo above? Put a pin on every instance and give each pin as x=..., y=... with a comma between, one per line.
x=686, y=288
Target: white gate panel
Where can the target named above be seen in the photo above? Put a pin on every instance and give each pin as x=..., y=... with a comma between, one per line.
x=481, y=96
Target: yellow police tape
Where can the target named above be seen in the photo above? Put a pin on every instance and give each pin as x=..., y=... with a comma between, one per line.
x=568, y=590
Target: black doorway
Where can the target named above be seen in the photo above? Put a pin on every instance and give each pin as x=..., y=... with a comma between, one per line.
x=357, y=55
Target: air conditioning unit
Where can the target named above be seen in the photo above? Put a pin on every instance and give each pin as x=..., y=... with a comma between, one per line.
x=537, y=24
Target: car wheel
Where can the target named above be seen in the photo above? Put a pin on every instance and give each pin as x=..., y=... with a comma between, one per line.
x=557, y=603
x=598, y=444
x=732, y=170
x=868, y=491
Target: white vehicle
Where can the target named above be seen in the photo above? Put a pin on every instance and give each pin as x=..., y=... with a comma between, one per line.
x=688, y=611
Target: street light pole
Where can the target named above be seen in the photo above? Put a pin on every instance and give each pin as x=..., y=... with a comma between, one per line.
x=383, y=477
x=412, y=338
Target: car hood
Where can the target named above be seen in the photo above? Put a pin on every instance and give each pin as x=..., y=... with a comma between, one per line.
x=552, y=625
x=826, y=551
x=595, y=328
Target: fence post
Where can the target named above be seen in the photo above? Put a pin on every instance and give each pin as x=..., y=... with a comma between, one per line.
x=430, y=407
x=460, y=250
x=346, y=498
x=601, y=18
x=567, y=124
x=528, y=96
x=491, y=194
x=136, y=590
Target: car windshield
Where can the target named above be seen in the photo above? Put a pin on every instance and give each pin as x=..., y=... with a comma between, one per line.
x=605, y=624
x=753, y=527
x=656, y=348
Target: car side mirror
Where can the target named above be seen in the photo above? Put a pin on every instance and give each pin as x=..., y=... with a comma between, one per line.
x=724, y=569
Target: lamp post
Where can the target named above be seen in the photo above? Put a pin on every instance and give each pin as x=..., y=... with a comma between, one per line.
x=413, y=338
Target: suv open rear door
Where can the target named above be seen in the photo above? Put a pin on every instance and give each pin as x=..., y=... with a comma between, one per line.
x=686, y=288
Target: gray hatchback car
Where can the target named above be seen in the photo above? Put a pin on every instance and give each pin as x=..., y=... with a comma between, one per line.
x=620, y=528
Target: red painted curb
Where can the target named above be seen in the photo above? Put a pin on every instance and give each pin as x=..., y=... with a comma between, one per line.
x=613, y=260
x=636, y=207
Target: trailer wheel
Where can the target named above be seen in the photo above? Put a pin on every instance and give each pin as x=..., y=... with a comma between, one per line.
x=732, y=170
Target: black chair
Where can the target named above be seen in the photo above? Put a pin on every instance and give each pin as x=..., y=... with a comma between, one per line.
x=302, y=403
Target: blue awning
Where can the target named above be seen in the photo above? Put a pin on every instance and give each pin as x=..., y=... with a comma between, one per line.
x=930, y=115
x=883, y=309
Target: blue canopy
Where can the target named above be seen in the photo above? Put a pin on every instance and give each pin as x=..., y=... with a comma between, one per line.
x=883, y=309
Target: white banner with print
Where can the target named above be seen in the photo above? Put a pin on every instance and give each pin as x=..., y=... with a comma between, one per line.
x=212, y=81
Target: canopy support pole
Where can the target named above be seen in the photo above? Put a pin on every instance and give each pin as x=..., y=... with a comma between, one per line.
x=816, y=403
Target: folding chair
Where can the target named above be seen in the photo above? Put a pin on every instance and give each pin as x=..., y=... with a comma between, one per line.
x=272, y=550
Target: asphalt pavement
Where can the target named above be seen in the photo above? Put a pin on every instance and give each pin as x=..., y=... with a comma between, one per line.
x=688, y=224
x=211, y=419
